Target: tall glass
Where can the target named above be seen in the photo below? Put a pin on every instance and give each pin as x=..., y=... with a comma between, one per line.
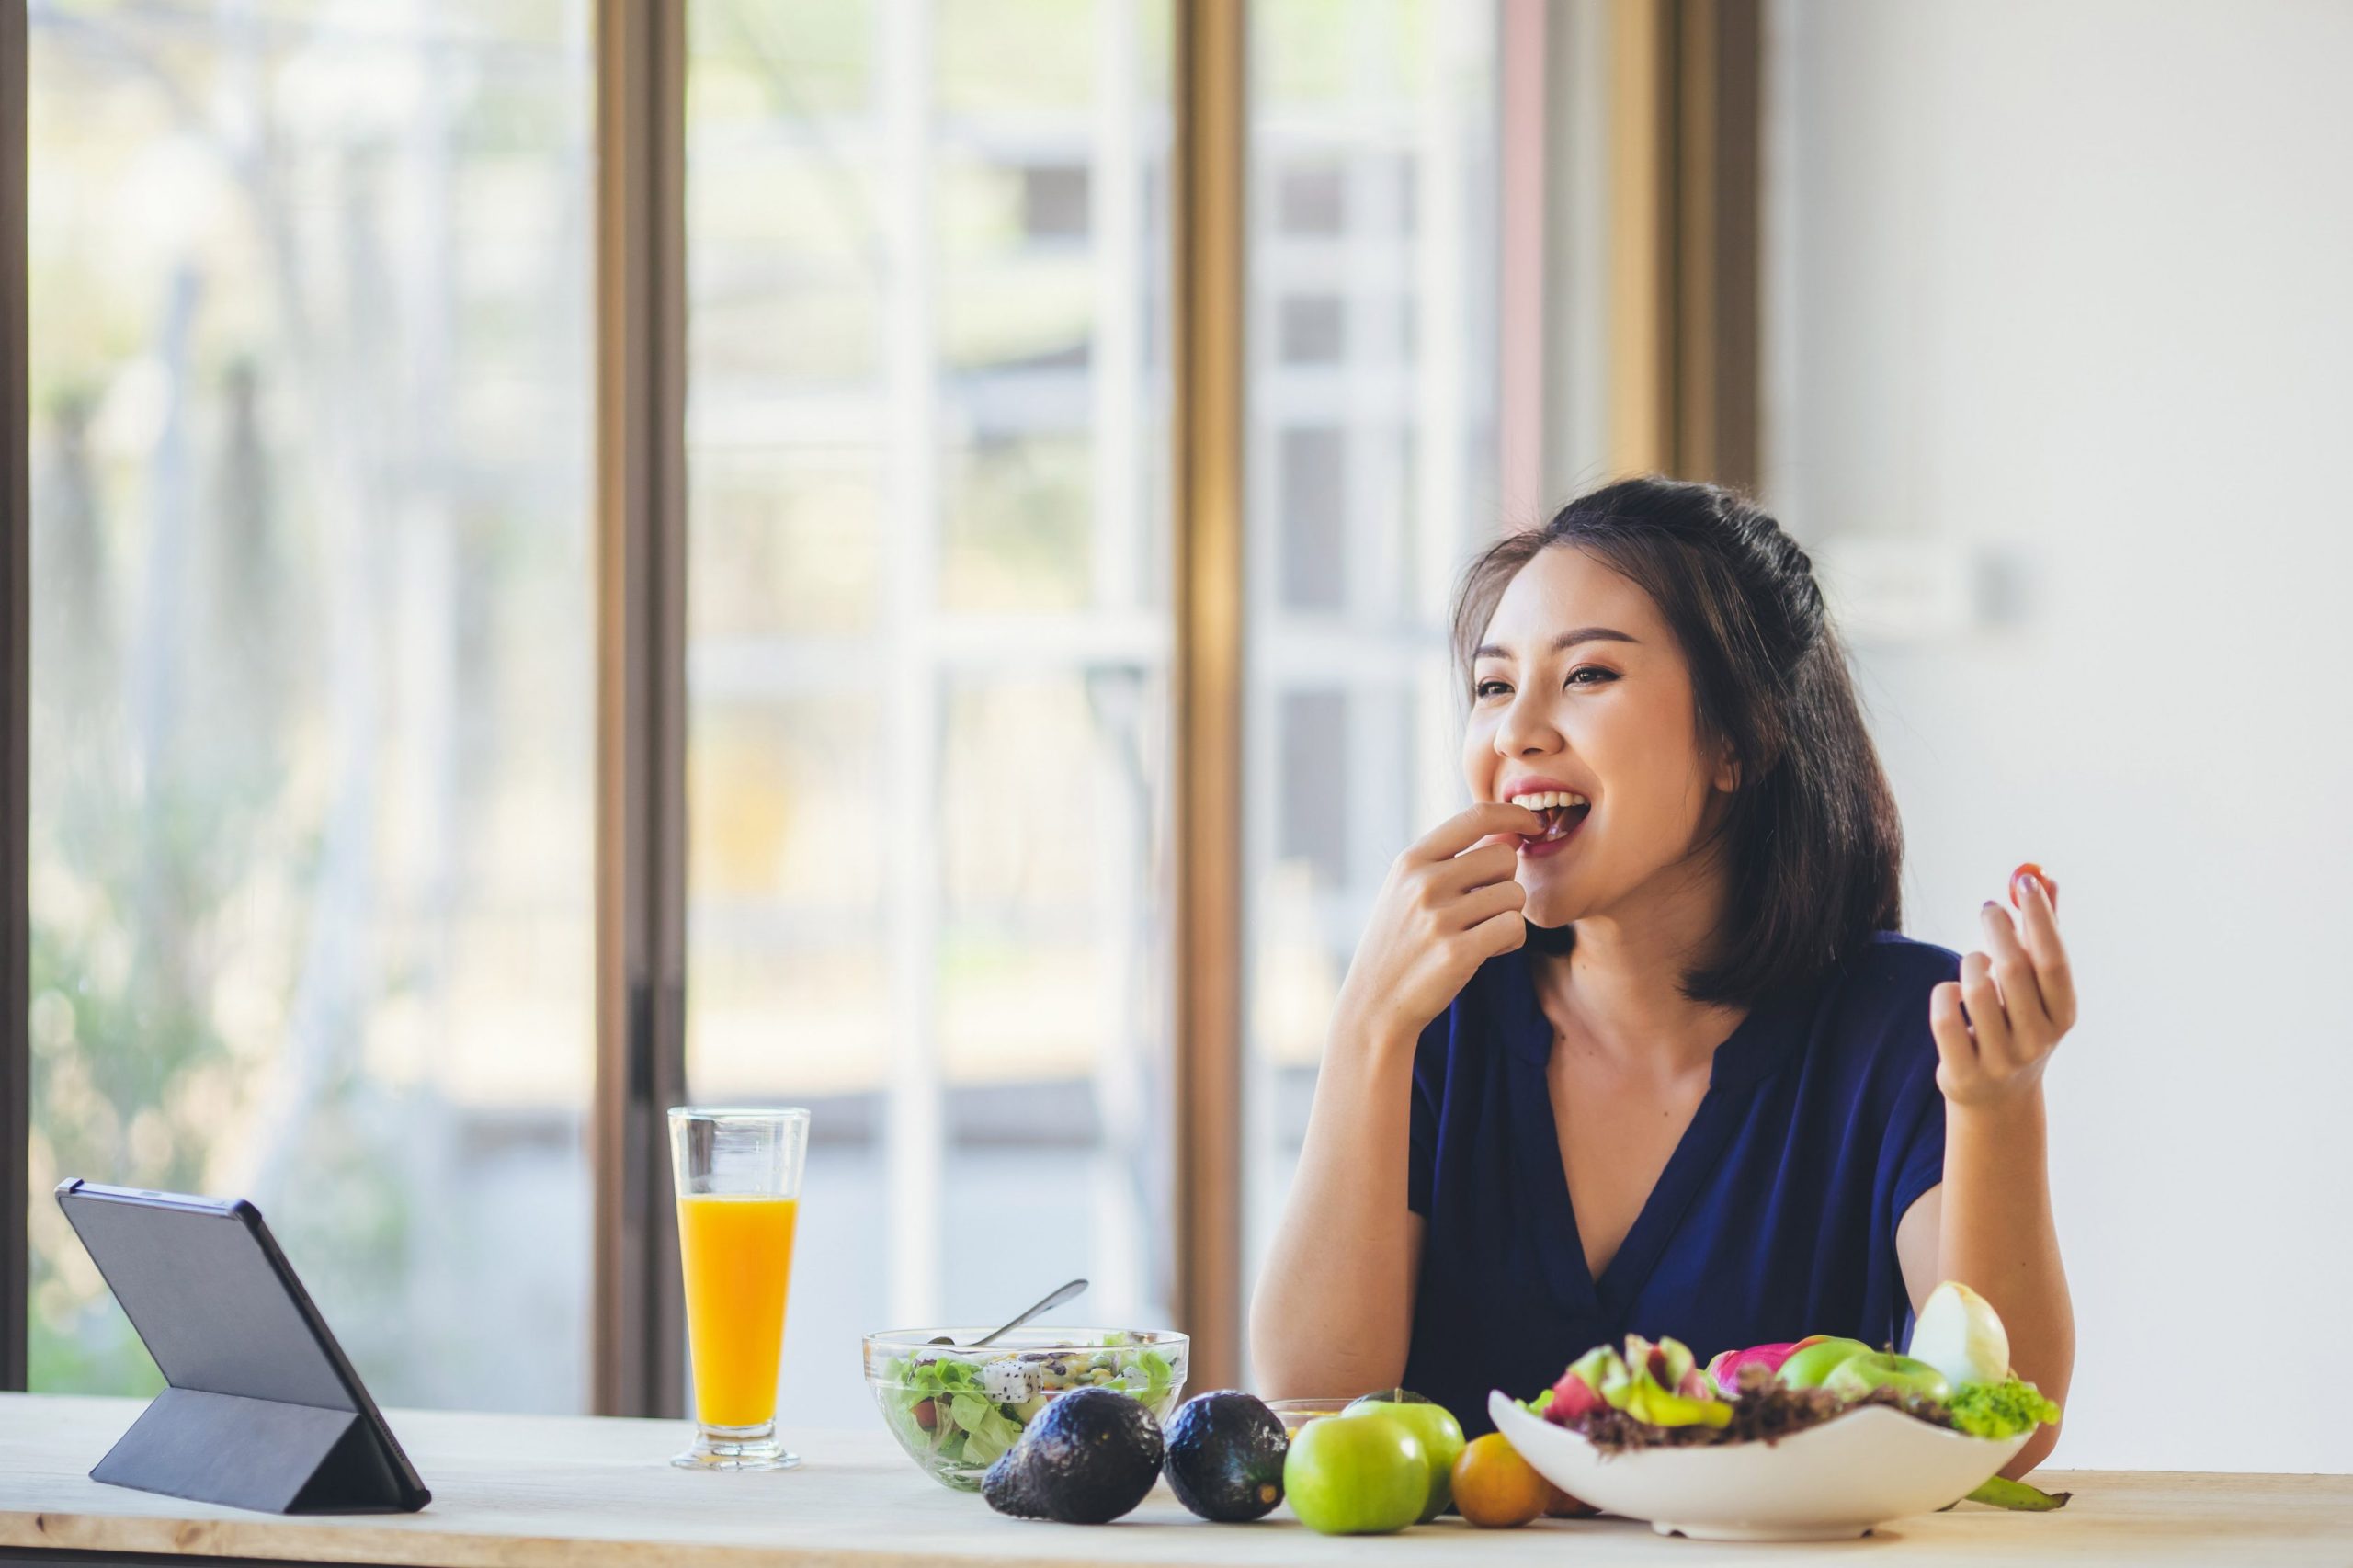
x=738, y=1174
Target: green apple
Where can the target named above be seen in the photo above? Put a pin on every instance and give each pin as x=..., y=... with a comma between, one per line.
x=1441, y=1433
x=1859, y=1375
x=1806, y=1369
x=1367, y=1475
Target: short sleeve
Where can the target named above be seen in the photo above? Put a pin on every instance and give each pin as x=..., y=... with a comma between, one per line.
x=1429, y=1096
x=1919, y=1137
x=1914, y=1152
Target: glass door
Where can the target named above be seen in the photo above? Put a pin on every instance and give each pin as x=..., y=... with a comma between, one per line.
x=313, y=665
x=929, y=644
x=1372, y=272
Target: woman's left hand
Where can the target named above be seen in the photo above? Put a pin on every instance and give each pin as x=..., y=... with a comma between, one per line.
x=1996, y=1027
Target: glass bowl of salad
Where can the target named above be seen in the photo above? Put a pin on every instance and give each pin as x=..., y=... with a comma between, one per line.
x=954, y=1409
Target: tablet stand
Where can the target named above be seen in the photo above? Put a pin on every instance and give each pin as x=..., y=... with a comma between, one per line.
x=263, y=1411
x=252, y=1453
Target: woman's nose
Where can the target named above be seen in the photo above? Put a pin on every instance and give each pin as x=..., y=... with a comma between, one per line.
x=1527, y=729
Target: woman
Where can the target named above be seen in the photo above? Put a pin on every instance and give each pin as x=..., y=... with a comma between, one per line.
x=1631, y=1045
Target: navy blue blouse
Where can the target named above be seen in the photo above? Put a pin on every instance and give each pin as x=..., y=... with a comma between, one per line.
x=1774, y=1218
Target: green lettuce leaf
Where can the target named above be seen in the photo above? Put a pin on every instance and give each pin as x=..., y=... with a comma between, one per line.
x=2000, y=1410
x=1158, y=1375
x=989, y=1434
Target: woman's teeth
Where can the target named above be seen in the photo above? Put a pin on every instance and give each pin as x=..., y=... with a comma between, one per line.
x=1562, y=810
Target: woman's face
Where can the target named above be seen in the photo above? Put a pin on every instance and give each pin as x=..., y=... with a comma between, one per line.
x=1579, y=688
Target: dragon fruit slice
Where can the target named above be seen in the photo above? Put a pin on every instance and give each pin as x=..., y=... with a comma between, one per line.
x=1578, y=1392
x=1662, y=1383
x=1665, y=1387
x=1724, y=1372
x=1008, y=1381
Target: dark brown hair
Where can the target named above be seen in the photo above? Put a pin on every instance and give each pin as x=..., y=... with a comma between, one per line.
x=1812, y=840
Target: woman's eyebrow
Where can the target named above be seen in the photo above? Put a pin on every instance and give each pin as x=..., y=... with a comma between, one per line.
x=1566, y=640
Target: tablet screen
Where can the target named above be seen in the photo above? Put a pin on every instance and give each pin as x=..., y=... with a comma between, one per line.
x=199, y=1284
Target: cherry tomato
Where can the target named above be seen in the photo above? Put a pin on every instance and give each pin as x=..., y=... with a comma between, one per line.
x=2030, y=869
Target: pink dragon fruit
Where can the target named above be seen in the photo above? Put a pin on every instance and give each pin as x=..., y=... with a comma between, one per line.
x=1723, y=1371
x=1661, y=1384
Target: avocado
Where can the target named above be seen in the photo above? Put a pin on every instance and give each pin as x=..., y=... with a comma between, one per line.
x=1088, y=1458
x=1005, y=1486
x=1225, y=1457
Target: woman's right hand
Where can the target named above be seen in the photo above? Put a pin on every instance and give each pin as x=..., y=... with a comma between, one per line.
x=1333, y=1310
x=1450, y=904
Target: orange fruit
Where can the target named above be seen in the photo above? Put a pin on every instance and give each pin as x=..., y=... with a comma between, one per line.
x=1495, y=1488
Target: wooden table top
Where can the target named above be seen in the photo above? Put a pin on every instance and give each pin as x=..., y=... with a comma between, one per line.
x=539, y=1491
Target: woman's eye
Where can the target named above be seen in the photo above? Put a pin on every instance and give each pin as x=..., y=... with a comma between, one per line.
x=1491, y=688
x=1578, y=677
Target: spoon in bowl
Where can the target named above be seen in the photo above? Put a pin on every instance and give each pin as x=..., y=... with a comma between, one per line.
x=1053, y=1298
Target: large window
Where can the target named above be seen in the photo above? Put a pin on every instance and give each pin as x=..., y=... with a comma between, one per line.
x=315, y=687
x=928, y=643
x=1372, y=271
x=313, y=662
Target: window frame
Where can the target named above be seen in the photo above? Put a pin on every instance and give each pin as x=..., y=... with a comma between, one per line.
x=637, y=1311
x=15, y=605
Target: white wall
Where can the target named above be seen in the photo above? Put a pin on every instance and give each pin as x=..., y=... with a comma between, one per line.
x=2069, y=285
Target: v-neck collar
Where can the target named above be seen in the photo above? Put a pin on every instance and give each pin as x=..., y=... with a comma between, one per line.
x=1758, y=1045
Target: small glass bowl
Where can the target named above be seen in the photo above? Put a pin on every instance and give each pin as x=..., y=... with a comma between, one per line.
x=955, y=1409
x=1297, y=1413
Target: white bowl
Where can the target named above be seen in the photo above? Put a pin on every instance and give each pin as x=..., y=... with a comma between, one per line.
x=1826, y=1483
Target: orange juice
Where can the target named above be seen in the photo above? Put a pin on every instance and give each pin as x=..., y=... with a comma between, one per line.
x=737, y=1254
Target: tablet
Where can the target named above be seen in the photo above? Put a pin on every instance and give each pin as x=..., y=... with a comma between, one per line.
x=242, y=1345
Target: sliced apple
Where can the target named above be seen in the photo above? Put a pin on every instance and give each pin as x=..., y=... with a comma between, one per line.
x=1859, y=1375
x=1806, y=1369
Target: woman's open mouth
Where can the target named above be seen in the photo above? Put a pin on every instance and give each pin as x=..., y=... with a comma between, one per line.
x=1562, y=812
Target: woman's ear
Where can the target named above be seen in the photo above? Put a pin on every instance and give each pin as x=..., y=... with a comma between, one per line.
x=1727, y=772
